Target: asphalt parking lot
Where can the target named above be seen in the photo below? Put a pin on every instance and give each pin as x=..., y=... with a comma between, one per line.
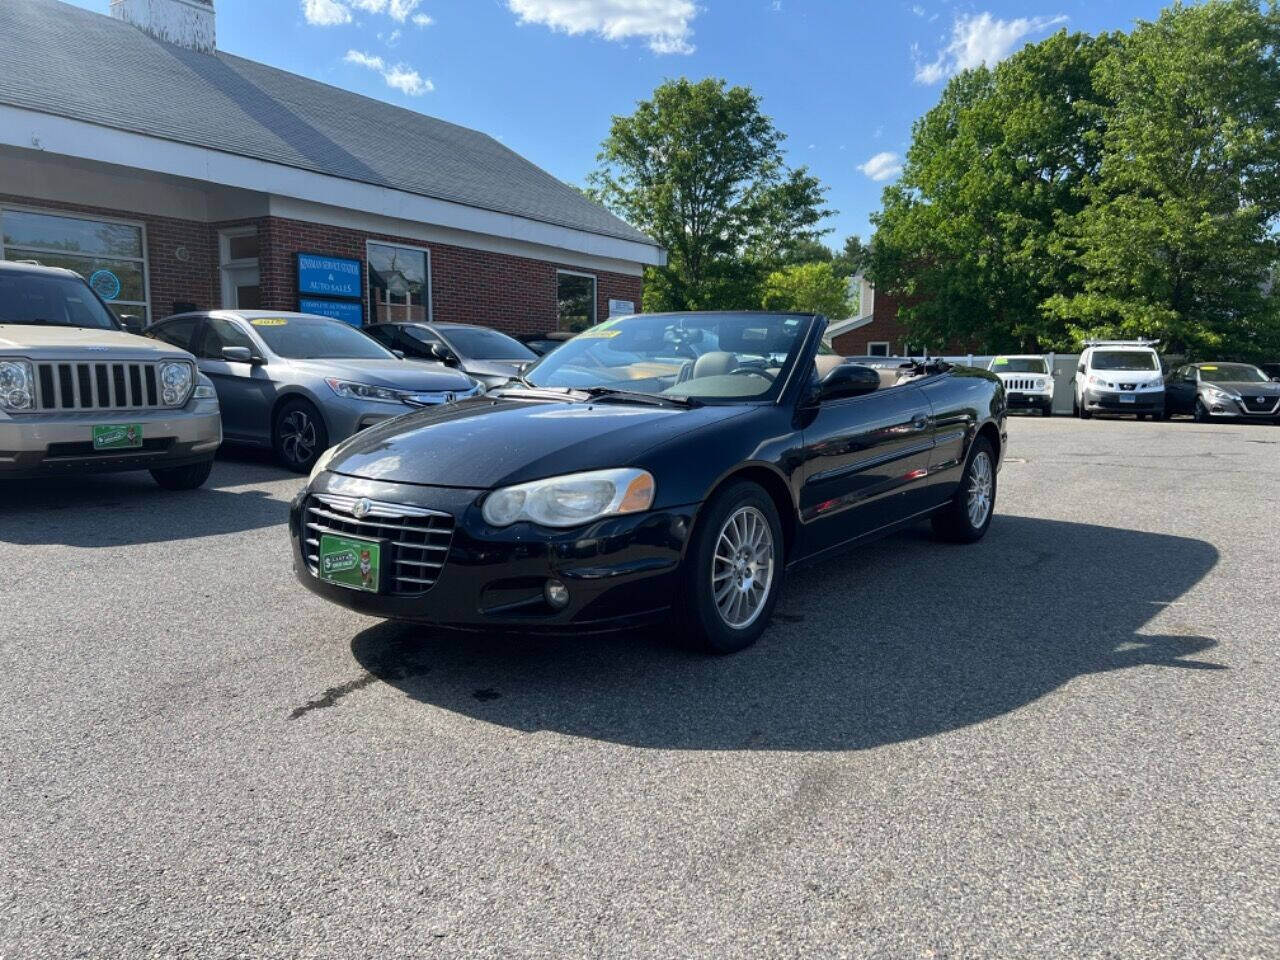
x=1061, y=742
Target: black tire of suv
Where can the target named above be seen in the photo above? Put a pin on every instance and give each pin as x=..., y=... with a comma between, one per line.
x=190, y=477
x=952, y=522
x=1046, y=410
x=307, y=410
x=696, y=615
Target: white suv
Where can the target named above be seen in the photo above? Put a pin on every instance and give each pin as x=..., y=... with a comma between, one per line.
x=1119, y=376
x=1028, y=382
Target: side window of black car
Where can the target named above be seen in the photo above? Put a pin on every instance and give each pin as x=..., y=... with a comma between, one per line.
x=177, y=332
x=384, y=335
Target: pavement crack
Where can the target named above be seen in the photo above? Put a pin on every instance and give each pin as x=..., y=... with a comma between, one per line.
x=331, y=696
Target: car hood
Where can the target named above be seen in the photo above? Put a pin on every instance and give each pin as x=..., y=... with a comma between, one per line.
x=59, y=340
x=389, y=373
x=1247, y=389
x=494, y=368
x=496, y=441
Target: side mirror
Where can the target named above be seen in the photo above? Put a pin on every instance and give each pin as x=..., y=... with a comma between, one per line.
x=442, y=353
x=399, y=354
x=131, y=323
x=1275, y=379
x=847, y=380
x=237, y=355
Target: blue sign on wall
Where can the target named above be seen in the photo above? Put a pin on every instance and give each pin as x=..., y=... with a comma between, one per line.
x=350, y=311
x=328, y=276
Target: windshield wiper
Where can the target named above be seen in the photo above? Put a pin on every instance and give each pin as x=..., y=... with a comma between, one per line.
x=636, y=396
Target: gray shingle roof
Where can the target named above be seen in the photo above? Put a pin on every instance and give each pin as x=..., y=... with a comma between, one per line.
x=63, y=60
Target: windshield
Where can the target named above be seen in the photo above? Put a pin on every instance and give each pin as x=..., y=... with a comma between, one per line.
x=317, y=338
x=51, y=300
x=1233, y=373
x=717, y=356
x=1019, y=365
x=480, y=343
x=1125, y=360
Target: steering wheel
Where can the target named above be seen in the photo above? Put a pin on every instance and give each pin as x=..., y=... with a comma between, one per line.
x=756, y=371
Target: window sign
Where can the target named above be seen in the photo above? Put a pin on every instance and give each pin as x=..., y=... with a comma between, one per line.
x=328, y=276
x=621, y=308
x=348, y=311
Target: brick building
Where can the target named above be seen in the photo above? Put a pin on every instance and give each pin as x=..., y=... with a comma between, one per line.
x=175, y=176
x=876, y=331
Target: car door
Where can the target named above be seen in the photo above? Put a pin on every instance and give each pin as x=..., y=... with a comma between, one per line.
x=245, y=391
x=864, y=459
x=1180, y=390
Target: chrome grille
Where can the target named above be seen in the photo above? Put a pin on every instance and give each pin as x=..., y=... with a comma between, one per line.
x=97, y=385
x=1255, y=404
x=1020, y=383
x=419, y=539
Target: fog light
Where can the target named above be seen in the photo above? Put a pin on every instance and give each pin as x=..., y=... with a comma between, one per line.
x=557, y=594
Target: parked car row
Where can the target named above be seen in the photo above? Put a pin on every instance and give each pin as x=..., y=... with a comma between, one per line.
x=1128, y=377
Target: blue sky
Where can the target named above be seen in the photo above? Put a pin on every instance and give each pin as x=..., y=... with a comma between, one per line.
x=844, y=79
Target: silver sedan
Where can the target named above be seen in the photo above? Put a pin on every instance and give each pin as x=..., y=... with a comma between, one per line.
x=300, y=383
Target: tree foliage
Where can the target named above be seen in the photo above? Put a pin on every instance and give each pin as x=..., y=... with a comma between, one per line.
x=815, y=287
x=1116, y=185
x=700, y=169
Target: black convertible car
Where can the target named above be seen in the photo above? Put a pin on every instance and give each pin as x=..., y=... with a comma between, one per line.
x=655, y=467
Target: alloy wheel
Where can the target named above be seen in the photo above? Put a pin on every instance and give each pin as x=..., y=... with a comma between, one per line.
x=742, y=569
x=981, y=482
x=298, y=436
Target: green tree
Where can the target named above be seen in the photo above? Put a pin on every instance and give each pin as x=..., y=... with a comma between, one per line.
x=1177, y=237
x=808, y=288
x=700, y=169
x=967, y=235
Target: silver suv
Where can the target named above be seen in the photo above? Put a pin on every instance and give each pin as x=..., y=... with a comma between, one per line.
x=79, y=395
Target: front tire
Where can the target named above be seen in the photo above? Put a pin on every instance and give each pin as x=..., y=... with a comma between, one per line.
x=299, y=435
x=1046, y=411
x=190, y=477
x=1202, y=413
x=967, y=517
x=733, y=572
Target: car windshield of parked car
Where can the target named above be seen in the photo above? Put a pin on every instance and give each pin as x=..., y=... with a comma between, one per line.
x=52, y=301
x=479, y=343
x=1125, y=360
x=706, y=356
x=1233, y=373
x=1019, y=365
x=316, y=338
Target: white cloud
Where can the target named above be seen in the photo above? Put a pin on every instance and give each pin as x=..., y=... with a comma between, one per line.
x=664, y=24
x=883, y=166
x=978, y=39
x=399, y=77
x=325, y=13
x=328, y=13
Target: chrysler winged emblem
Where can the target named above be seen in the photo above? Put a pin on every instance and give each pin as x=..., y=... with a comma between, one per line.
x=361, y=509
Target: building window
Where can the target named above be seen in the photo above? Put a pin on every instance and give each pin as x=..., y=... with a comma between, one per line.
x=575, y=301
x=878, y=348
x=399, y=284
x=238, y=256
x=110, y=254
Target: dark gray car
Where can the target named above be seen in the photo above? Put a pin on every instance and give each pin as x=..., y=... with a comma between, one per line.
x=1236, y=391
x=300, y=383
x=489, y=355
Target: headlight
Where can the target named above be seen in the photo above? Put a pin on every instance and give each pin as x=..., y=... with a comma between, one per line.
x=364, y=391
x=572, y=500
x=17, y=385
x=175, y=382
x=1099, y=382
x=322, y=464
x=1219, y=396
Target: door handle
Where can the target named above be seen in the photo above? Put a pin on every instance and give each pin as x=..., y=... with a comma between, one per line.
x=919, y=421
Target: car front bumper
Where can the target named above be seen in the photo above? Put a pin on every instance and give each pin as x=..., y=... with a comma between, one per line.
x=1241, y=410
x=619, y=572
x=1023, y=400
x=61, y=443
x=1123, y=401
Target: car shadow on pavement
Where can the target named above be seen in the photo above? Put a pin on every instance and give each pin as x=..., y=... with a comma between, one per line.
x=890, y=642
x=119, y=509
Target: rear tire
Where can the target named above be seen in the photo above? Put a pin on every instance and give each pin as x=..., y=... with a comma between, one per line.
x=733, y=571
x=967, y=517
x=299, y=435
x=190, y=477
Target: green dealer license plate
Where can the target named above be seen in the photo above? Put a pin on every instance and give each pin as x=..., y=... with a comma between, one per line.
x=351, y=562
x=120, y=436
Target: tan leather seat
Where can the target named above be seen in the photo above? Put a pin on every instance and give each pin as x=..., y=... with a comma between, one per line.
x=888, y=377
